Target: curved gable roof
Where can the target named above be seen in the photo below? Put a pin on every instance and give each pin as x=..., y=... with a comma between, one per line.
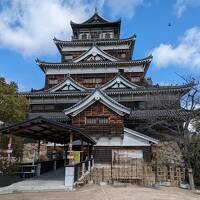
x=94, y=51
x=67, y=84
x=97, y=95
x=95, y=19
x=120, y=82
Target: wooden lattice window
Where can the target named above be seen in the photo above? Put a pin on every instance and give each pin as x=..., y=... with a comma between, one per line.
x=91, y=120
x=97, y=120
x=103, y=120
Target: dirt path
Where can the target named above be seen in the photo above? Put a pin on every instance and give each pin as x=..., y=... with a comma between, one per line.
x=94, y=192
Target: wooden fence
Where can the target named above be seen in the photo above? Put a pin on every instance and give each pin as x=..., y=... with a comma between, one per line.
x=141, y=173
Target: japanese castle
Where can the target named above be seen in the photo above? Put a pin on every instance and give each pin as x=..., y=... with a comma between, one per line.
x=98, y=88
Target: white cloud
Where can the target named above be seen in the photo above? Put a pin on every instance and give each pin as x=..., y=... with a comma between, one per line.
x=182, y=5
x=185, y=54
x=28, y=26
x=124, y=7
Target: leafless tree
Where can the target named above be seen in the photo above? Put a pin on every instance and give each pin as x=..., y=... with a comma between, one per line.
x=180, y=121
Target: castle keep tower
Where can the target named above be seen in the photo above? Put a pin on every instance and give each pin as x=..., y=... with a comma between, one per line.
x=99, y=88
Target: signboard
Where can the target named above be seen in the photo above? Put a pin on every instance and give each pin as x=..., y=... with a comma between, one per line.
x=126, y=155
x=76, y=155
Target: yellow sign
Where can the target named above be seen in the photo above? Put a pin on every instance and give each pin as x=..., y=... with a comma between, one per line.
x=76, y=156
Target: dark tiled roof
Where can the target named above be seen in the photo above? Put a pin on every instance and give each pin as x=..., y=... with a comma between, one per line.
x=97, y=42
x=96, y=20
x=57, y=116
x=160, y=114
x=139, y=61
x=140, y=90
x=41, y=128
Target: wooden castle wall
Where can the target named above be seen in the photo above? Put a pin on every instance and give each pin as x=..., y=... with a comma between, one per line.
x=113, y=127
x=80, y=78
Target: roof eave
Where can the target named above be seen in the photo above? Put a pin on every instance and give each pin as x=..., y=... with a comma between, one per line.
x=56, y=42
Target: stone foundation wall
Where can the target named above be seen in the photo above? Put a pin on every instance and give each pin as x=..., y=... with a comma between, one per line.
x=167, y=152
x=30, y=150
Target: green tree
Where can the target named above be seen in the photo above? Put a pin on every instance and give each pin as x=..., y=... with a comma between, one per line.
x=13, y=109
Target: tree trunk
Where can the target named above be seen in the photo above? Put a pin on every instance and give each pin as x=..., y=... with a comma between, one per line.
x=191, y=179
x=184, y=150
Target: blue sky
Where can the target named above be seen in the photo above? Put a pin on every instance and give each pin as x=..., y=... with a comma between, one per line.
x=28, y=27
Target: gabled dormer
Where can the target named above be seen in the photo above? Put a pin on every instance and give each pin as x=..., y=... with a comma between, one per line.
x=120, y=82
x=67, y=84
x=97, y=96
x=95, y=54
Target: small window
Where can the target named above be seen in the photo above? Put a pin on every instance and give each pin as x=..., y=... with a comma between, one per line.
x=135, y=79
x=52, y=81
x=98, y=80
x=103, y=120
x=37, y=107
x=97, y=120
x=95, y=35
x=88, y=80
x=49, y=107
x=68, y=57
x=141, y=105
x=123, y=55
x=92, y=80
x=91, y=120
x=84, y=36
x=107, y=36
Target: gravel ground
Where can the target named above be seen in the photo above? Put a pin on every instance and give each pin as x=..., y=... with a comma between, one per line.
x=95, y=192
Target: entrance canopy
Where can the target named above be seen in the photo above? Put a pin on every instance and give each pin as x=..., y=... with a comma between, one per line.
x=44, y=129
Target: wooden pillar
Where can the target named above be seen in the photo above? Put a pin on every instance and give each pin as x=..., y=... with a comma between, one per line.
x=88, y=151
x=38, y=151
x=82, y=151
x=9, y=151
x=54, y=157
x=54, y=152
x=38, y=170
x=92, y=151
x=70, y=150
x=64, y=152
